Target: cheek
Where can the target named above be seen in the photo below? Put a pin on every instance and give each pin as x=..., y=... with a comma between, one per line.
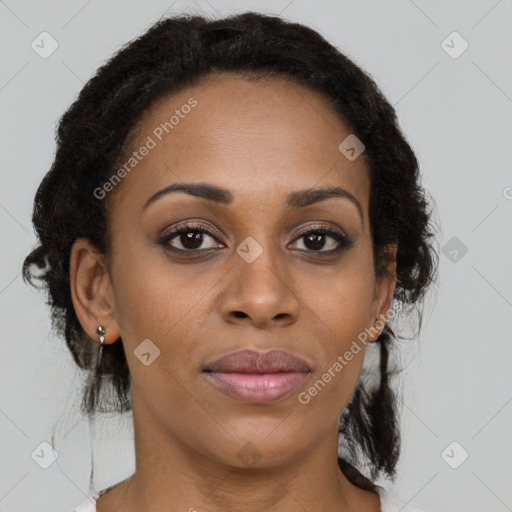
x=159, y=302
x=341, y=310
x=155, y=302
x=153, y=296
x=341, y=304
x=341, y=317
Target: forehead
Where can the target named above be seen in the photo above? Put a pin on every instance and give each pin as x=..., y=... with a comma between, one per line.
x=260, y=138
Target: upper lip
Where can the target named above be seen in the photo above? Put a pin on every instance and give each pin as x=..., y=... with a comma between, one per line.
x=252, y=361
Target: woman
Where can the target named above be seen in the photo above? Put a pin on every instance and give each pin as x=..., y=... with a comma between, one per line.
x=231, y=212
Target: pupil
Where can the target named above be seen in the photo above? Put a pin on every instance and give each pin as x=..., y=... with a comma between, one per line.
x=192, y=239
x=316, y=239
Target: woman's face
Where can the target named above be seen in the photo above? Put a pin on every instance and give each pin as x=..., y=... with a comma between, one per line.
x=253, y=280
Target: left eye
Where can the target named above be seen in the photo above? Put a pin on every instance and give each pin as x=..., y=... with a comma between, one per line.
x=315, y=239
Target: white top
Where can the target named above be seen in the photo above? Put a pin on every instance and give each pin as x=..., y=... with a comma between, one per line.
x=388, y=502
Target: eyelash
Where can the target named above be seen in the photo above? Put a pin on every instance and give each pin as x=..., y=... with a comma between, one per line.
x=344, y=243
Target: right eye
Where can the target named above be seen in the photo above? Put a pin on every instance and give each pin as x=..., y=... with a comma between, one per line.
x=189, y=236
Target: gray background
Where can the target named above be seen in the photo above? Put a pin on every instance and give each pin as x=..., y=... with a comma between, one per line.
x=456, y=114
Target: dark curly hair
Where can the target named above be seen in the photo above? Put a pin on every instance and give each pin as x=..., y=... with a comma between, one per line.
x=176, y=52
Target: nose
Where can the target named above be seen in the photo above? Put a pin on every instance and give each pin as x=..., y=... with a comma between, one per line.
x=260, y=293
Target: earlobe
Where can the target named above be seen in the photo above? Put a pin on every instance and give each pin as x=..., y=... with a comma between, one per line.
x=91, y=290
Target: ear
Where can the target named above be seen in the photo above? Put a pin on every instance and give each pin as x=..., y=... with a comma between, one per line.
x=384, y=289
x=91, y=290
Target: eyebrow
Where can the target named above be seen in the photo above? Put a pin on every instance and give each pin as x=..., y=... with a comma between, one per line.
x=297, y=199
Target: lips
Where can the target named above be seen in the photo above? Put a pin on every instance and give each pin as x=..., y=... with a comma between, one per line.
x=257, y=377
x=250, y=361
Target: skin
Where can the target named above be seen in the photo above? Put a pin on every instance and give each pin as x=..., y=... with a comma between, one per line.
x=261, y=140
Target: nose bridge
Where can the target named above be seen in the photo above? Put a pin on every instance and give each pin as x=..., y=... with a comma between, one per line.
x=259, y=267
x=259, y=290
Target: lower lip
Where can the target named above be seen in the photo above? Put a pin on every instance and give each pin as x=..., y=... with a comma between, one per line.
x=257, y=387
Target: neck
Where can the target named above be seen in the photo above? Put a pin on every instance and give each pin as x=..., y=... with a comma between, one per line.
x=172, y=476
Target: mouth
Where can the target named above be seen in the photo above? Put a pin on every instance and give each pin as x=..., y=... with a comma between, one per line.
x=257, y=377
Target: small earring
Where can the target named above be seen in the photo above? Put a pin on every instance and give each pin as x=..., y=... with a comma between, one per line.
x=101, y=332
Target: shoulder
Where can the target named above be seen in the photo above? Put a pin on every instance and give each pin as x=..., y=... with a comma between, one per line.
x=390, y=504
x=89, y=505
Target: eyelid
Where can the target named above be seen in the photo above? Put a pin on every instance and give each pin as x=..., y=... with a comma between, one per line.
x=192, y=225
x=329, y=226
